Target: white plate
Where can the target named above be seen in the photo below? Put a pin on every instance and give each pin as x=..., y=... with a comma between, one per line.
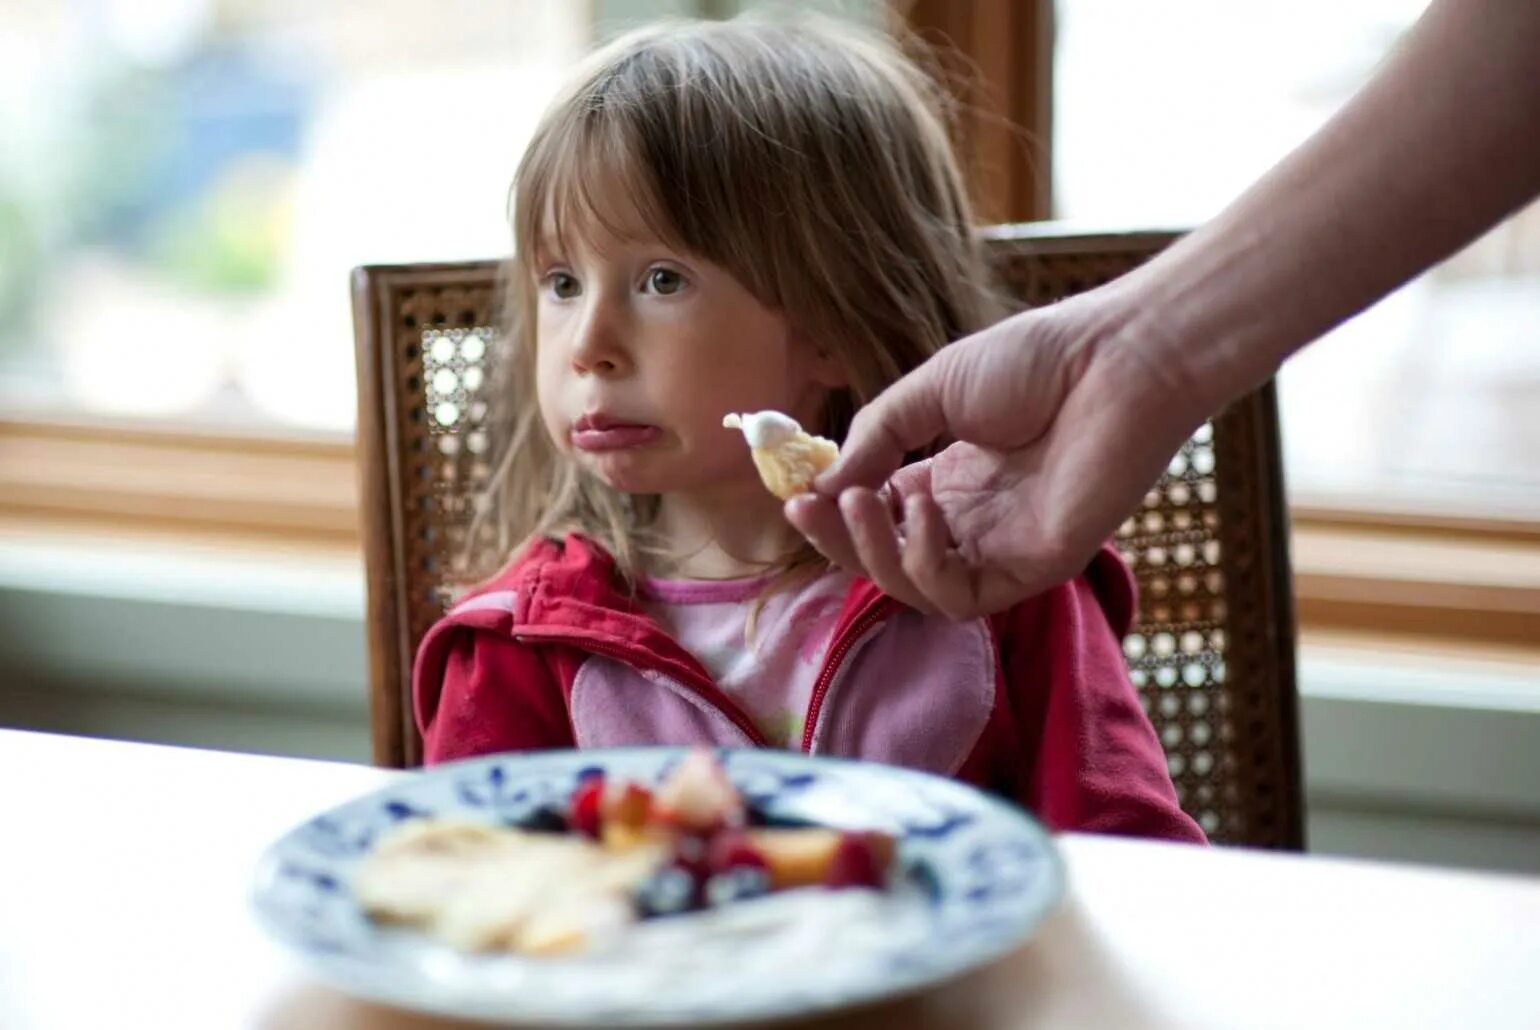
x=976, y=877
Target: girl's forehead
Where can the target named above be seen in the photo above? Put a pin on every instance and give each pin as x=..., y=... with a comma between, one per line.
x=581, y=228
x=588, y=204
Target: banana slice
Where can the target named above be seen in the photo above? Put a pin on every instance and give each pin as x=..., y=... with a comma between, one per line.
x=787, y=458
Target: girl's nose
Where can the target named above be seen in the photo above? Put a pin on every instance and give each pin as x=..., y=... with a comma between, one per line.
x=599, y=349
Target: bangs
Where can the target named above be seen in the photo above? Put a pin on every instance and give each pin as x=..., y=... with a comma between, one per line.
x=585, y=178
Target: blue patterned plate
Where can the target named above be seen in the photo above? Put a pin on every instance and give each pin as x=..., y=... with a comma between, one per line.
x=976, y=877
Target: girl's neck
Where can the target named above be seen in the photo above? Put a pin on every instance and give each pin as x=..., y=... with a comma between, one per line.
x=730, y=532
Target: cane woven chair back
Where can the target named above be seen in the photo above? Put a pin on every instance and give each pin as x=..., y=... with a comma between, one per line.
x=1212, y=652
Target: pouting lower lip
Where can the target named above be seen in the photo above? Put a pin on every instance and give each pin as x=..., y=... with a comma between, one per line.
x=614, y=437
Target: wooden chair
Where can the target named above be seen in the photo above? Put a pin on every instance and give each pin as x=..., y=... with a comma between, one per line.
x=1212, y=653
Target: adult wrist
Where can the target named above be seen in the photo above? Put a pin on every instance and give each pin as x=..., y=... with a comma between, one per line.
x=1185, y=317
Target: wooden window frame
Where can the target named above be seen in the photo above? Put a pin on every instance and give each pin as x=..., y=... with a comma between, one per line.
x=997, y=58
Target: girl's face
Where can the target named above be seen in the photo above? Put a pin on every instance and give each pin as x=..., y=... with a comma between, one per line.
x=641, y=349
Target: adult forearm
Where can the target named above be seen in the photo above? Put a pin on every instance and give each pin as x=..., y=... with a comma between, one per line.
x=1440, y=145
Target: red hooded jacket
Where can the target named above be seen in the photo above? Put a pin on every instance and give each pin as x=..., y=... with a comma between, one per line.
x=1033, y=704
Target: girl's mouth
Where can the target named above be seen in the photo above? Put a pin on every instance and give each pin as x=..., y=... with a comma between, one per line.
x=600, y=432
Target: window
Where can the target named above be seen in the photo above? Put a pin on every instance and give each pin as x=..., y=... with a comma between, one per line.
x=186, y=184
x=1427, y=404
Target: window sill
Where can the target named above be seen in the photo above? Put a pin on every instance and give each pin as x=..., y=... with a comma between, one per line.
x=1440, y=582
x=134, y=477
x=1451, y=584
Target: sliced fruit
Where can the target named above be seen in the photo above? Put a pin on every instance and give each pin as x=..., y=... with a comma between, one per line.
x=860, y=860
x=699, y=796
x=796, y=857
x=628, y=804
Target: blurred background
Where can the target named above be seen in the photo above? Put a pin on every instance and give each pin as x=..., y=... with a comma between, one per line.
x=185, y=184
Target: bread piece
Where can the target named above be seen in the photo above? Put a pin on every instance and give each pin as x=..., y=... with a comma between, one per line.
x=788, y=459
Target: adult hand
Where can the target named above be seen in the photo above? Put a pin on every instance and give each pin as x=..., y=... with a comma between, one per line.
x=1064, y=414
x=1062, y=426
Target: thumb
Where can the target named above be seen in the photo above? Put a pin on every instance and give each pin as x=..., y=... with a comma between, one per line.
x=906, y=416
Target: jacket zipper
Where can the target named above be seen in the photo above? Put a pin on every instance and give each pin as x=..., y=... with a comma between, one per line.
x=848, y=640
x=726, y=706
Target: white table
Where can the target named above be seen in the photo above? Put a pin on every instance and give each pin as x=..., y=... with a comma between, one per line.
x=120, y=908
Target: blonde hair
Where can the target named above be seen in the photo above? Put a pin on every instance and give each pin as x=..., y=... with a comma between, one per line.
x=810, y=159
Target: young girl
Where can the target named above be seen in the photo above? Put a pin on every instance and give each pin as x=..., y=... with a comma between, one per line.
x=737, y=217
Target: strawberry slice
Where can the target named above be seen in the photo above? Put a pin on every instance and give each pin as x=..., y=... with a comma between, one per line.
x=584, y=816
x=860, y=860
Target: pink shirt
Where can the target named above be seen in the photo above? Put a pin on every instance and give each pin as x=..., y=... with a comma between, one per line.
x=770, y=675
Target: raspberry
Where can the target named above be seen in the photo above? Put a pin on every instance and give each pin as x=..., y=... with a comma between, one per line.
x=584, y=816
x=856, y=862
x=732, y=849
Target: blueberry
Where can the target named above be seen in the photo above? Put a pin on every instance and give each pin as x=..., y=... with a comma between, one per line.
x=759, y=817
x=737, y=884
x=667, y=892
x=545, y=819
x=921, y=876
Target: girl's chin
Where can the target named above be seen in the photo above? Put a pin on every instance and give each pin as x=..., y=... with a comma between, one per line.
x=629, y=475
x=633, y=474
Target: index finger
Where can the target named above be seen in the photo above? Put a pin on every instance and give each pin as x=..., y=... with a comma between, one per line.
x=904, y=417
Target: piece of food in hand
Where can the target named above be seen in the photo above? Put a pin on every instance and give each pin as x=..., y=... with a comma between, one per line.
x=788, y=459
x=698, y=796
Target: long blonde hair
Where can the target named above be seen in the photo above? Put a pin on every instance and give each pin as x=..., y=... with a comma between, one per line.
x=809, y=158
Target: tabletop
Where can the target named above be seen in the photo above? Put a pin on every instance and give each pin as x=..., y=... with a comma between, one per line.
x=119, y=907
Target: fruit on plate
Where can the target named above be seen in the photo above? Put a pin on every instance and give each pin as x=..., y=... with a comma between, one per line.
x=618, y=852
x=698, y=797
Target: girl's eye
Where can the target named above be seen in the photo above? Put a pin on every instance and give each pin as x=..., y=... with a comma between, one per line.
x=664, y=281
x=563, y=285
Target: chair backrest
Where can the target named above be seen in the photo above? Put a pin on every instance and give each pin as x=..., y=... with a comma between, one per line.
x=1213, y=650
